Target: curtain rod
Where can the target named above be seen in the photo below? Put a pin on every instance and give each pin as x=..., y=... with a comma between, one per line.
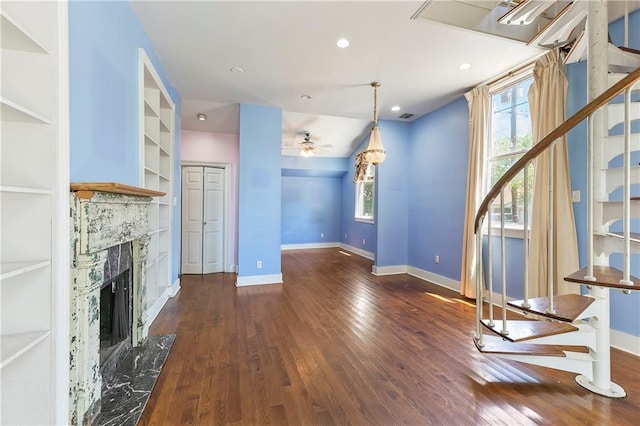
x=513, y=71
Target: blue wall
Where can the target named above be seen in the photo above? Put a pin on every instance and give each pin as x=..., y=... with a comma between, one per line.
x=437, y=186
x=104, y=38
x=311, y=208
x=259, y=190
x=392, y=196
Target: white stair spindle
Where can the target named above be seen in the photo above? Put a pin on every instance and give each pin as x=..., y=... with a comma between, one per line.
x=479, y=286
x=590, y=175
x=551, y=234
x=525, y=238
x=626, y=191
x=490, y=270
x=503, y=265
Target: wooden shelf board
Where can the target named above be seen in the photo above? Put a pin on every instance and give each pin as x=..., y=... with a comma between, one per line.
x=606, y=276
x=13, y=269
x=14, y=345
x=12, y=111
x=25, y=190
x=149, y=110
x=151, y=138
x=567, y=306
x=14, y=37
x=498, y=345
x=519, y=331
x=115, y=188
x=164, y=127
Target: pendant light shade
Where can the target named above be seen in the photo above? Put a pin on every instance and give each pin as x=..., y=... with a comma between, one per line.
x=375, y=152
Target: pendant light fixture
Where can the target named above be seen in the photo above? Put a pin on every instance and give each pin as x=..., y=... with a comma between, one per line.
x=375, y=152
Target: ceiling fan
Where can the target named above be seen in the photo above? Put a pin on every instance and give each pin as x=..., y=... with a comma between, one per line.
x=308, y=147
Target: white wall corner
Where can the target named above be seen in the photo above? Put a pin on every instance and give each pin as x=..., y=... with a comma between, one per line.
x=259, y=280
x=389, y=270
x=175, y=288
x=625, y=342
x=355, y=250
x=308, y=246
x=231, y=268
x=434, y=278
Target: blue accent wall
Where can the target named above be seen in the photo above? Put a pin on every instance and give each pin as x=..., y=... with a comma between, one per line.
x=314, y=166
x=392, y=197
x=311, y=209
x=104, y=38
x=259, y=190
x=437, y=166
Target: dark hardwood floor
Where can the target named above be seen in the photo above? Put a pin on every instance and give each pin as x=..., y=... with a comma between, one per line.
x=337, y=345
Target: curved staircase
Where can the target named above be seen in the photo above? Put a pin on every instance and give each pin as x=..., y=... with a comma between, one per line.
x=581, y=321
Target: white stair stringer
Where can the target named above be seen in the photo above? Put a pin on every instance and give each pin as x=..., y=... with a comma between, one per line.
x=614, y=146
x=608, y=243
x=574, y=362
x=614, y=177
x=559, y=30
x=613, y=210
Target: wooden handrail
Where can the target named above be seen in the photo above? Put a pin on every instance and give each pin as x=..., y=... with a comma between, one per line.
x=546, y=142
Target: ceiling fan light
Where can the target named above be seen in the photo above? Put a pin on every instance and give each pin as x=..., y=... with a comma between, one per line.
x=306, y=152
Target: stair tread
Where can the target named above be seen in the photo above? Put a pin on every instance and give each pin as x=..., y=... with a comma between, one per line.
x=519, y=330
x=498, y=345
x=606, y=276
x=568, y=307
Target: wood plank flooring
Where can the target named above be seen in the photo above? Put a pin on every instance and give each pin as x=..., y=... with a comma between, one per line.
x=335, y=345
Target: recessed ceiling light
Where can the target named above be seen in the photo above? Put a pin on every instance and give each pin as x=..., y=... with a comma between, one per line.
x=305, y=97
x=395, y=108
x=202, y=116
x=465, y=66
x=342, y=43
x=237, y=70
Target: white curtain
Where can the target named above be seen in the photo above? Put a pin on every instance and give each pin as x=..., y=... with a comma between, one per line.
x=547, y=100
x=479, y=120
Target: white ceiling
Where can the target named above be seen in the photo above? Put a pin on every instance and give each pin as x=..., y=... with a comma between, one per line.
x=287, y=49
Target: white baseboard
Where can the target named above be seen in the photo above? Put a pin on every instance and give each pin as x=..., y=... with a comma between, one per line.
x=356, y=250
x=434, y=278
x=389, y=270
x=259, y=280
x=175, y=288
x=625, y=342
x=308, y=246
x=155, y=309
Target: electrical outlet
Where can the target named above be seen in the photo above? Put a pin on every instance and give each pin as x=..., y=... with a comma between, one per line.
x=363, y=241
x=259, y=264
x=437, y=258
x=575, y=196
x=322, y=235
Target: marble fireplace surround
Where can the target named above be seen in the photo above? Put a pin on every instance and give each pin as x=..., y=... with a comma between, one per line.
x=103, y=215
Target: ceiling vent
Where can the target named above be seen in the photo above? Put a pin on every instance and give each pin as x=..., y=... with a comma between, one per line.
x=406, y=116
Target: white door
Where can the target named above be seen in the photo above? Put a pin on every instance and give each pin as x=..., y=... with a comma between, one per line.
x=213, y=201
x=202, y=220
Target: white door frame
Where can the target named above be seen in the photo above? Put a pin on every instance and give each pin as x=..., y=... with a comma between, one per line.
x=225, y=212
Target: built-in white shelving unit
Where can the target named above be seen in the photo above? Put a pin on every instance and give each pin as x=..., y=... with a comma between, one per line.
x=34, y=185
x=157, y=125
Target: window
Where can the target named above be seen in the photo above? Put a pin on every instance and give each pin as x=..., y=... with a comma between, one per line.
x=511, y=137
x=365, y=196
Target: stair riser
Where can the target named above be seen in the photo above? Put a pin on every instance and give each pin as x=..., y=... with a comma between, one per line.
x=615, y=176
x=585, y=336
x=615, y=113
x=613, y=210
x=603, y=244
x=576, y=365
x=614, y=146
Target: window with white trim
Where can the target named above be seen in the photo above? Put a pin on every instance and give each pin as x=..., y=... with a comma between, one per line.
x=511, y=138
x=365, y=195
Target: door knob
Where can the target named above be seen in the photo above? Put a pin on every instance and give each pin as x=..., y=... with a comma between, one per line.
x=204, y=223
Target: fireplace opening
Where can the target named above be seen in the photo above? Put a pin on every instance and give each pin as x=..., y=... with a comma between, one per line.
x=116, y=309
